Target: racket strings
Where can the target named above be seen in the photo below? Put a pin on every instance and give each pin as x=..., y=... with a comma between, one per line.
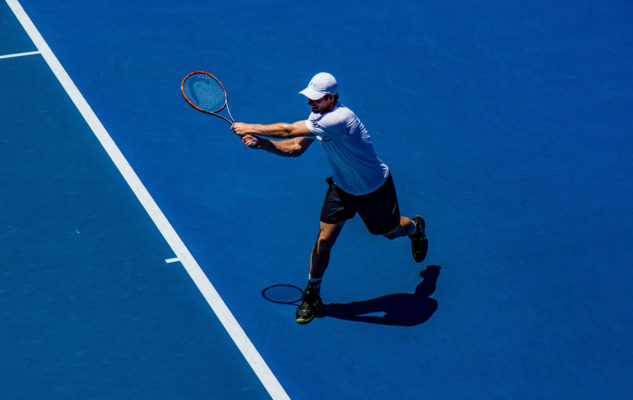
x=204, y=92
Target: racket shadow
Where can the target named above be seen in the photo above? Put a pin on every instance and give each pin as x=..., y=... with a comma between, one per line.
x=283, y=293
x=401, y=309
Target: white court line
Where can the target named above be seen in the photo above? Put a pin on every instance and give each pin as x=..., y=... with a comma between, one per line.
x=29, y=53
x=172, y=260
x=209, y=292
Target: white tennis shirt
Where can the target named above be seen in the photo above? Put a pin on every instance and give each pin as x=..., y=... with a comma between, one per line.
x=350, y=151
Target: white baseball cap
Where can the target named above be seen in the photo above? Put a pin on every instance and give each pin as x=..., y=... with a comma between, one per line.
x=320, y=85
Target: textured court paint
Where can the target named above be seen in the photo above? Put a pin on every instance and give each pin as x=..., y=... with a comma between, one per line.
x=506, y=125
x=89, y=309
x=10, y=43
x=191, y=266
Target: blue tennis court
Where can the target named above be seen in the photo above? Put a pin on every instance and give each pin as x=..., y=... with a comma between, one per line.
x=139, y=235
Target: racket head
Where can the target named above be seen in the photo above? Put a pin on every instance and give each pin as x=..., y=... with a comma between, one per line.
x=204, y=92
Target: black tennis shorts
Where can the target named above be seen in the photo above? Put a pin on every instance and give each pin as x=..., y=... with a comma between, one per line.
x=379, y=210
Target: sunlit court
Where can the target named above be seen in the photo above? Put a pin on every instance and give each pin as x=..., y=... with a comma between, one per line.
x=151, y=250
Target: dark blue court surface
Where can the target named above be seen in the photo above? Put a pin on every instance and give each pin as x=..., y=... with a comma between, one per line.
x=508, y=126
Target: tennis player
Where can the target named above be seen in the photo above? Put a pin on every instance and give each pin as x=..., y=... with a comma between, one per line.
x=360, y=181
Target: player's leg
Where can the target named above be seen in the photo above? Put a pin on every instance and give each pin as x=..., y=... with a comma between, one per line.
x=414, y=228
x=405, y=228
x=320, y=257
x=381, y=213
x=319, y=260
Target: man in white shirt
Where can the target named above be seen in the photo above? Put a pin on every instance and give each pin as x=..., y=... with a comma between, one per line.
x=360, y=182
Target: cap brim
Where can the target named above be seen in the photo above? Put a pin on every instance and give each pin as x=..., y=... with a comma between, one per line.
x=312, y=94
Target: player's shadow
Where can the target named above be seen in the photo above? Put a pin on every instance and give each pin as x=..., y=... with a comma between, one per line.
x=402, y=309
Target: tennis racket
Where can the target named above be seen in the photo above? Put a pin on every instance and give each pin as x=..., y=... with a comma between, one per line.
x=205, y=93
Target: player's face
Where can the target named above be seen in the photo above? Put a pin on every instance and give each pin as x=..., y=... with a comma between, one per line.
x=322, y=105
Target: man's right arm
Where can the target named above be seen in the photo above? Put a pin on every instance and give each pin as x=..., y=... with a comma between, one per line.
x=280, y=130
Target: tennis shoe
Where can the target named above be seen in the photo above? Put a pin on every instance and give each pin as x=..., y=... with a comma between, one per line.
x=310, y=304
x=419, y=242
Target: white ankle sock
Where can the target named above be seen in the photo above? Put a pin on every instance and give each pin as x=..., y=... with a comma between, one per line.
x=315, y=282
x=412, y=228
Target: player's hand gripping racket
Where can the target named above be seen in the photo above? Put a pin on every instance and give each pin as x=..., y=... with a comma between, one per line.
x=205, y=93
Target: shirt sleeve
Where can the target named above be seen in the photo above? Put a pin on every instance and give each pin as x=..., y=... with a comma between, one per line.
x=328, y=126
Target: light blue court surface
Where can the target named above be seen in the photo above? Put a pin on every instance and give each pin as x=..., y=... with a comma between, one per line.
x=508, y=126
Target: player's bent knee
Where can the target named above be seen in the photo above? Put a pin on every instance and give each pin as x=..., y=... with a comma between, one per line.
x=325, y=240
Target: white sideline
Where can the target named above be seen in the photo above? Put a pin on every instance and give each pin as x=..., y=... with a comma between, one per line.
x=225, y=316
